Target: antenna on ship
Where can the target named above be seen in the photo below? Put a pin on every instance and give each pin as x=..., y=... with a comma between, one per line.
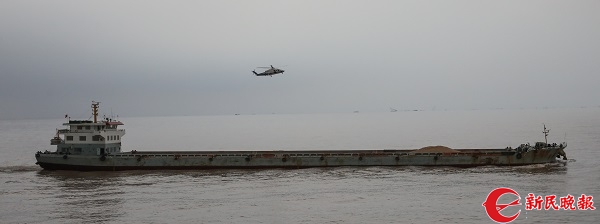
x=95, y=110
x=546, y=133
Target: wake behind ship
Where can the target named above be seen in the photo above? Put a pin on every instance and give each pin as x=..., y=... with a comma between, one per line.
x=96, y=145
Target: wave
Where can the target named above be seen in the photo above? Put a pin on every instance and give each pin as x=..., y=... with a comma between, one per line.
x=13, y=169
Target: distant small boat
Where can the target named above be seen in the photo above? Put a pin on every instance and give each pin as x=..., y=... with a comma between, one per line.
x=393, y=110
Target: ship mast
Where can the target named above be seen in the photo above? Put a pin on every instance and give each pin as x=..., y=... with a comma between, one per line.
x=95, y=110
x=546, y=133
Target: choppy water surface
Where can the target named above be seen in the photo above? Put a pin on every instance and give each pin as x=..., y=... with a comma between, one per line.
x=317, y=195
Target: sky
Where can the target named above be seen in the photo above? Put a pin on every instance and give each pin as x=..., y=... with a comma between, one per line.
x=187, y=58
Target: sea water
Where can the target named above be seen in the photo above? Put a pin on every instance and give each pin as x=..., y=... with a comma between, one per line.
x=29, y=194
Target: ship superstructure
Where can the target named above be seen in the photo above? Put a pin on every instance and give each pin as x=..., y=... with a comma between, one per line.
x=85, y=137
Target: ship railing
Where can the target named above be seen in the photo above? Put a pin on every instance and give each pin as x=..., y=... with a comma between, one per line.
x=47, y=152
x=250, y=154
x=62, y=131
x=56, y=141
x=315, y=155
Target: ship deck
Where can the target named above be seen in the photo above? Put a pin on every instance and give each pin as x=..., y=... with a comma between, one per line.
x=292, y=153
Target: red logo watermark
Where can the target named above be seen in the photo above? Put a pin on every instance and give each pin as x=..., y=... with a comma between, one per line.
x=492, y=208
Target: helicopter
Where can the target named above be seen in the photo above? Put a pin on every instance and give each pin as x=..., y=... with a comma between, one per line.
x=269, y=72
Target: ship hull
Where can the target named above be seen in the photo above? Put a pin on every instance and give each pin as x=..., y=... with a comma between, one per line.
x=203, y=160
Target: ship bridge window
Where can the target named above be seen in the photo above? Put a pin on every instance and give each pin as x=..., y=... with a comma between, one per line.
x=87, y=127
x=117, y=137
x=69, y=138
x=81, y=138
x=79, y=127
x=96, y=138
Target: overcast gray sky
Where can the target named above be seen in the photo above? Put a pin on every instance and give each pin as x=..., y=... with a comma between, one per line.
x=157, y=58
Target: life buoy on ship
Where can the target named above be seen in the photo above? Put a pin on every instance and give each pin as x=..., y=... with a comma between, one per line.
x=102, y=158
x=247, y=159
x=65, y=157
x=519, y=156
x=322, y=158
x=397, y=158
x=284, y=159
x=360, y=158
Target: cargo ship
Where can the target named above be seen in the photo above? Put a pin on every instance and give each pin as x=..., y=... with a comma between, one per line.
x=95, y=145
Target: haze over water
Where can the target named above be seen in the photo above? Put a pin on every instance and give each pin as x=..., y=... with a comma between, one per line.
x=180, y=58
x=320, y=195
